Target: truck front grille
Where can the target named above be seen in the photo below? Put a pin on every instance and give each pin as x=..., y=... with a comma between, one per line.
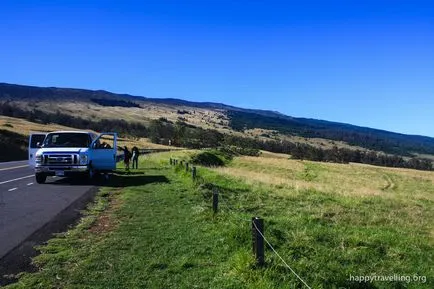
x=60, y=159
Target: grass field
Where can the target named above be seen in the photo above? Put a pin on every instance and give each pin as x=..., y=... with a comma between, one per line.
x=155, y=228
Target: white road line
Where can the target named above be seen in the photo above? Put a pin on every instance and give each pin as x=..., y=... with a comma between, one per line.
x=17, y=179
x=11, y=168
x=29, y=184
x=13, y=189
x=13, y=162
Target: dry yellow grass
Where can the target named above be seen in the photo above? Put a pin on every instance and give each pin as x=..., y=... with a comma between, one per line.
x=205, y=118
x=266, y=154
x=264, y=134
x=25, y=127
x=289, y=176
x=141, y=143
x=285, y=177
x=200, y=117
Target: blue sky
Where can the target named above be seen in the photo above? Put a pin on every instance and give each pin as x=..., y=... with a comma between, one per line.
x=368, y=63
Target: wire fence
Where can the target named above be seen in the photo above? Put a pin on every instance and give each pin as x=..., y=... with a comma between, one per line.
x=225, y=203
x=231, y=210
x=120, y=155
x=278, y=255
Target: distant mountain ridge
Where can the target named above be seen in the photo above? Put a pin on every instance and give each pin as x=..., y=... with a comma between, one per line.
x=239, y=118
x=23, y=92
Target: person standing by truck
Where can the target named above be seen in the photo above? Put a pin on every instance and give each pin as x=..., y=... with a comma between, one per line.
x=135, y=157
x=127, y=157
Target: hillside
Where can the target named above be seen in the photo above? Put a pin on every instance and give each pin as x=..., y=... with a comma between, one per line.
x=14, y=134
x=375, y=139
x=134, y=115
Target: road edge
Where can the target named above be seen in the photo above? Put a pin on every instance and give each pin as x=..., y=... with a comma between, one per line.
x=19, y=258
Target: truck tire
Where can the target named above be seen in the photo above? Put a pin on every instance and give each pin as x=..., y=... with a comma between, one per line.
x=91, y=173
x=40, y=178
x=92, y=176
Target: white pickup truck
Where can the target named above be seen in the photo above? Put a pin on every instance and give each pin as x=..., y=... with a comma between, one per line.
x=68, y=153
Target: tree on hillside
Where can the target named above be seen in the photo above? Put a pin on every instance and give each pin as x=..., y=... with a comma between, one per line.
x=180, y=131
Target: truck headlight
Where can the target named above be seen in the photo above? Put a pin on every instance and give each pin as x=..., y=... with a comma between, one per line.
x=38, y=159
x=83, y=159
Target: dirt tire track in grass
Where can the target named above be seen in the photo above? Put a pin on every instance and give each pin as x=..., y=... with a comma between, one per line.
x=106, y=222
x=390, y=184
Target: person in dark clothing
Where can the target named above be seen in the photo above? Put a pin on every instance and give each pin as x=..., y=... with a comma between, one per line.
x=135, y=157
x=127, y=157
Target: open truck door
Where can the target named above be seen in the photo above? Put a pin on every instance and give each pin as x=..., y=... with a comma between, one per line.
x=103, y=152
x=35, y=141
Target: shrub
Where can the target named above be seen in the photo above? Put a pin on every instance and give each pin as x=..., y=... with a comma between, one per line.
x=208, y=158
x=237, y=150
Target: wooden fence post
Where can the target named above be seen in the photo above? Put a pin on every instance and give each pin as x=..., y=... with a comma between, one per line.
x=215, y=200
x=258, y=240
x=193, y=173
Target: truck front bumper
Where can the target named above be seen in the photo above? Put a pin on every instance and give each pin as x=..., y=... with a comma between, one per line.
x=61, y=170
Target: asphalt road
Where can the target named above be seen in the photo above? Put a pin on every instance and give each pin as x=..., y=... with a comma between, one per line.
x=25, y=206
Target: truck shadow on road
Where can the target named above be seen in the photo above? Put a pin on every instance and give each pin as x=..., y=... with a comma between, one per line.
x=117, y=180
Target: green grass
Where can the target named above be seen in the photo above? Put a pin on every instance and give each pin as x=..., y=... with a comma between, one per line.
x=310, y=172
x=161, y=233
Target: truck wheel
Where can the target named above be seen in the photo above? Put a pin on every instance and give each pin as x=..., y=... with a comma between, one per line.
x=40, y=178
x=106, y=177
x=91, y=174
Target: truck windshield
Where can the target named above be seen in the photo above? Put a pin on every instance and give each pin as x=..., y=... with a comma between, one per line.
x=71, y=140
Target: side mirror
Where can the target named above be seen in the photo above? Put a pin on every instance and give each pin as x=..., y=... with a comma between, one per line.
x=94, y=145
x=38, y=144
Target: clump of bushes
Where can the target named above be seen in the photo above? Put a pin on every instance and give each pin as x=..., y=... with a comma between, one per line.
x=211, y=158
x=240, y=151
x=222, y=155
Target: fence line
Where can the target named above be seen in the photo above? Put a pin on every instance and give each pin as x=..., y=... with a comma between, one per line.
x=268, y=243
x=232, y=211
x=120, y=156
